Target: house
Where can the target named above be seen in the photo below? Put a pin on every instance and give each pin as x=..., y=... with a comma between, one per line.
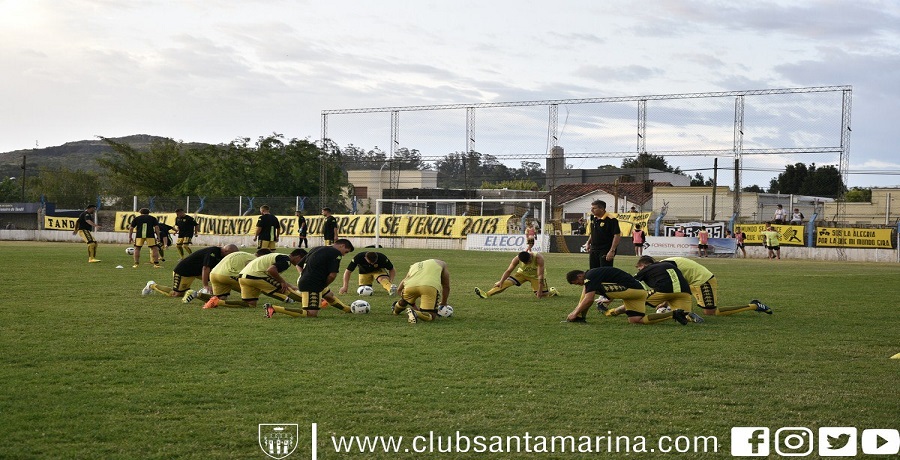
x=573, y=201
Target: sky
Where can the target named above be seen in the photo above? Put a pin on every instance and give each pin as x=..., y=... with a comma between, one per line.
x=216, y=70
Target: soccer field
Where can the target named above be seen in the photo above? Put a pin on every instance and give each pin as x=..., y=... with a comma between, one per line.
x=91, y=369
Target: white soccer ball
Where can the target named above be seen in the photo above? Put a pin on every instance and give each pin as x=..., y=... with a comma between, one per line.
x=204, y=291
x=129, y=250
x=365, y=290
x=445, y=311
x=360, y=307
x=663, y=309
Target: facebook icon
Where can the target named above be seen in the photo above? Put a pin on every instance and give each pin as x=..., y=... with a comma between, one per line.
x=749, y=441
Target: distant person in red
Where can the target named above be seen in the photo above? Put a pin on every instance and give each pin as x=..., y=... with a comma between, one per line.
x=703, y=242
x=639, y=238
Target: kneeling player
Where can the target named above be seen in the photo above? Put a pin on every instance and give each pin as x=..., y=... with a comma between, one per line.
x=320, y=269
x=616, y=284
x=705, y=287
x=373, y=267
x=424, y=281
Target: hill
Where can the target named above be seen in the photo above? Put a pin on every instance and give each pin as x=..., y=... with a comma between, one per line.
x=71, y=155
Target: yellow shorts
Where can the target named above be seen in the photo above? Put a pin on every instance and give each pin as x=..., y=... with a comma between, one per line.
x=264, y=244
x=707, y=294
x=536, y=284
x=86, y=236
x=138, y=242
x=223, y=284
x=427, y=294
x=182, y=283
x=369, y=278
x=184, y=241
x=633, y=298
x=676, y=300
x=252, y=287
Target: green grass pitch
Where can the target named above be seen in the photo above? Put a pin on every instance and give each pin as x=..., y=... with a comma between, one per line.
x=90, y=369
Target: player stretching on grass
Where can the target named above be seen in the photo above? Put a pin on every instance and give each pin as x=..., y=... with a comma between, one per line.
x=705, y=287
x=320, y=269
x=373, y=266
x=529, y=267
x=614, y=283
x=424, y=281
x=198, y=264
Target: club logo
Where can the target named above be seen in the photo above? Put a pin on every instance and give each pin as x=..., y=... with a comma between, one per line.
x=278, y=440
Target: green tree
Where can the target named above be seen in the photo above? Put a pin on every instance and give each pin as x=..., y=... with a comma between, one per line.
x=699, y=181
x=649, y=160
x=10, y=190
x=859, y=195
x=67, y=188
x=161, y=169
x=800, y=179
x=753, y=188
x=467, y=170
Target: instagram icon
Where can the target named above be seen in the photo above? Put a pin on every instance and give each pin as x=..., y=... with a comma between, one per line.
x=793, y=441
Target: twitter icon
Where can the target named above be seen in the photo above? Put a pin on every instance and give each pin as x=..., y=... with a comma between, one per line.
x=837, y=441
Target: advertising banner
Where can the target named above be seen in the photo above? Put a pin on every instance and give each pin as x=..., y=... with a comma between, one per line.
x=789, y=235
x=413, y=226
x=59, y=223
x=505, y=243
x=687, y=246
x=873, y=238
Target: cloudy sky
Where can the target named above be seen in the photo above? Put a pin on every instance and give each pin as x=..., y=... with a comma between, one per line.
x=215, y=70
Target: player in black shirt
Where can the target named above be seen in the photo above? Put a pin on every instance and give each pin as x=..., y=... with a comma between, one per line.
x=320, y=268
x=268, y=228
x=373, y=266
x=330, y=227
x=165, y=239
x=187, y=228
x=614, y=283
x=83, y=226
x=302, y=229
x=144, y=229
x=604, y=238
x=196, y=265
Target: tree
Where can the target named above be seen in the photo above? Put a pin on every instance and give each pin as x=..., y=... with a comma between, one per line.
x=753, y=188
x=800, y=179
x=859, y=195
x=466, y=170
x=699, y=181
x=10, y=191
x=649, y=160
x=161, y=169
x=67, y=188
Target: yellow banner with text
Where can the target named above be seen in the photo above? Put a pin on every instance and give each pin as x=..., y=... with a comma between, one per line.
x=390, y=225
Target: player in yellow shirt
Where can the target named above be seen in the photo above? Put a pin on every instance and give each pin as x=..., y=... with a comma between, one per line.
x=263, y=275
x=223, y=279
x=705, y=288
x=528, y=267
x=426, y=281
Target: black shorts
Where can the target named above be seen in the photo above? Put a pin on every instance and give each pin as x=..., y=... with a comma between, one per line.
x=702, y=246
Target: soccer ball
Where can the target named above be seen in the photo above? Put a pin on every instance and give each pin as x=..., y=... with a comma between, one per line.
x=365, y=290
x=663, y=309
x=360, y=307
x=445, y=311
x=129, y=250
x=204, y=291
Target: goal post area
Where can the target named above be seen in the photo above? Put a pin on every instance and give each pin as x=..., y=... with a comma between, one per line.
x=446, y=223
